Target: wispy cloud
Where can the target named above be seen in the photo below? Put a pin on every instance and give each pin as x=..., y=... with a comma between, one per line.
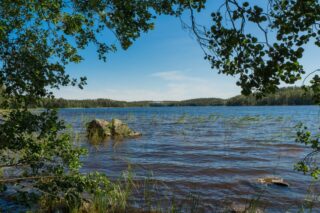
x=179, y=85
x=174, y=85
x=122, y=94
x=175, y=76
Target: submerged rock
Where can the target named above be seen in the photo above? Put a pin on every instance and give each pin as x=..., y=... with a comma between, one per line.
x=120, y=129
x=243, y=208
x=99, y=129
x=273, y=180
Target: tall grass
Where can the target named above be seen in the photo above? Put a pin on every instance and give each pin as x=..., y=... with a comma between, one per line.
x=124, y=193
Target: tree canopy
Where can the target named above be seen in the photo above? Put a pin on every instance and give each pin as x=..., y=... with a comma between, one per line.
x=37, y=40
x=260, y=60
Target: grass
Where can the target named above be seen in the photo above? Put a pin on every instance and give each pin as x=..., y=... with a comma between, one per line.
x=311, y=199
x=120, y=199
x=124, y=192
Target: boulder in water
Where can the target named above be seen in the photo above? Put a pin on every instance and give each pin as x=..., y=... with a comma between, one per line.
x=120, y=129
x=99, y=129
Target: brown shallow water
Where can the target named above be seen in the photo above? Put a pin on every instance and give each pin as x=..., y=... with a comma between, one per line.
x=215, y=153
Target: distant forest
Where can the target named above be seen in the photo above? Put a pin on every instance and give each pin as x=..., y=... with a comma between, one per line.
x=284, y=96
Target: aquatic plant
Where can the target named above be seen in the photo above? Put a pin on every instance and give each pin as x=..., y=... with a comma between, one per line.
x=213, y=117
x=155, y=119
x=309, y=164
x=182, y=119
x=131, y=117
x=311, y=200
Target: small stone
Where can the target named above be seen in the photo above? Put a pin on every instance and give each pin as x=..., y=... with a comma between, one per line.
x=273, y=180
x=242, y=208
x=237, y=208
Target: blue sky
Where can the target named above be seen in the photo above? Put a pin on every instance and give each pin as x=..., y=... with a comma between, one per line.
x=164, y=64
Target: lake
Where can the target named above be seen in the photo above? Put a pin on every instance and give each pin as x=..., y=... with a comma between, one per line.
x=215, y=153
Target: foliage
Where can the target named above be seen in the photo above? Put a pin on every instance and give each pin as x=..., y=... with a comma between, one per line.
x=38, y=39
x=271, y=54
x=310, y=163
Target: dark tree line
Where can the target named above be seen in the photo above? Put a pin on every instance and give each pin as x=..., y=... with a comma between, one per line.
x=284, y=96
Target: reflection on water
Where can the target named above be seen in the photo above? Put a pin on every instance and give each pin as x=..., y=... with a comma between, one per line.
x=214, y=152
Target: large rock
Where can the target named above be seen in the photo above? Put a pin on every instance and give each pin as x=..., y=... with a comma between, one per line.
x=120, y=129
x=98, y=129
x=101, y=129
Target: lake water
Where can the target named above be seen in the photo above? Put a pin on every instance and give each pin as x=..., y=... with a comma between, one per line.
x=216, y=153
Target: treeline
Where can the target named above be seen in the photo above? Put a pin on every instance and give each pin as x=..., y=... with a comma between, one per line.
x=284, y=96
x=96, y=103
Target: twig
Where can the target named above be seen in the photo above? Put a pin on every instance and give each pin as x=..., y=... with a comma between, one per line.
x=317, y=70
